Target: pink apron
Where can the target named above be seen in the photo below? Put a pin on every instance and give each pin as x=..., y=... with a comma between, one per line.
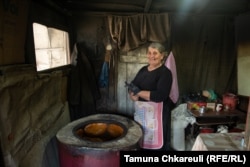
x=149, y=116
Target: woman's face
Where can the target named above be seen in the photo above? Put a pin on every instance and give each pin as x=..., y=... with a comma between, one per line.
x=154, y=57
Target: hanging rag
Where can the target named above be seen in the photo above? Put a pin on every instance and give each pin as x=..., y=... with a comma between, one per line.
x=74, y=53
x=170, y=64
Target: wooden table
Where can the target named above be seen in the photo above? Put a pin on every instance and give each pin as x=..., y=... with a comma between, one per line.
x=211, y=117
x=213, y=113
x=219, y=142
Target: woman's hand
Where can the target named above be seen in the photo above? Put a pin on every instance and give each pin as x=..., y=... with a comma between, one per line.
x=133, y=97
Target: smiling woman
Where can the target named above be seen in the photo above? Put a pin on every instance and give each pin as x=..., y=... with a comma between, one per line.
x=156, y=54
x=154, y=82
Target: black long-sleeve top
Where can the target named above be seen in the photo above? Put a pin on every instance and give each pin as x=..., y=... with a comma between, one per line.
x=158, y=82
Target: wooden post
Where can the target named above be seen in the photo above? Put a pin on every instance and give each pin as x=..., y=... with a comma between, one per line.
x=247, y=128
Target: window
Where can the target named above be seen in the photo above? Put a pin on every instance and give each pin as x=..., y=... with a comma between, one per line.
x=51, y=47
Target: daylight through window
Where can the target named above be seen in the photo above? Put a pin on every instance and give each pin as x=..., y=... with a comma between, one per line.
x=51, y=47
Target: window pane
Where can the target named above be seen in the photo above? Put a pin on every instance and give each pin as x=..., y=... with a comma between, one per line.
x=41, y=37
x=56, y=38
x=58, y=58
x=42, y=60
x=51, y=47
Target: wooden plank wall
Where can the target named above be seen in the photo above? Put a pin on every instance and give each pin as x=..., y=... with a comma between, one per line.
x=128, y=65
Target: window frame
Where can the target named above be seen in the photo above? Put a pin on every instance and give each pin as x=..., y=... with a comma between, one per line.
x=68, y=51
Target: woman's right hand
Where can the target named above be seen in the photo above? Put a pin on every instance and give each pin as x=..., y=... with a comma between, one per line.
x=133, y=97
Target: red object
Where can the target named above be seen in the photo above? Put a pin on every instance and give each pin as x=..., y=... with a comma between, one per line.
x=230, y=101
x=196, y=105
x=78, y=157
x=206, y=130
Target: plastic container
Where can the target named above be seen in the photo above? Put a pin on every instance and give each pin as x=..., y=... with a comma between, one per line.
x=230, y=101
x=206, y=130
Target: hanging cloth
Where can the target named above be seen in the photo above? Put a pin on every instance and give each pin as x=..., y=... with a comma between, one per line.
x=149, y=116
x=104, y=77
x=73, y=56
x=170, y=64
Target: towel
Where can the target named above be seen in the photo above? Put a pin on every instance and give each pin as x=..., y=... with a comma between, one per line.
x=170, y=64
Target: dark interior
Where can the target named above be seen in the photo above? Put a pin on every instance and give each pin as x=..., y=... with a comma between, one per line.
x=208, y=39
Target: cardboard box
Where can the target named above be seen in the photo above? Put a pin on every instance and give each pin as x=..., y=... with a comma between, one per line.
x=211, y=106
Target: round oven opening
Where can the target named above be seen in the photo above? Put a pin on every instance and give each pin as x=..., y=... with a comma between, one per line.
x=96, y=140
x=100, y=131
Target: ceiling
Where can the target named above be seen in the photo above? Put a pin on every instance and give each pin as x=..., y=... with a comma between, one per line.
x=153, y=6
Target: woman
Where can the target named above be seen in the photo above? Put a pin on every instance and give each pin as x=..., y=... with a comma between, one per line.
x=152, y=84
